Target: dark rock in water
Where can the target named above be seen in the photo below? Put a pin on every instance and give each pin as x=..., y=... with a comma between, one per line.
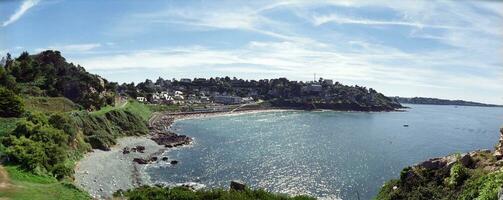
x=140, y=161
x=133, y=149
x=174, y=162
x=126, y=150
x=140, y=148
x=405, y=125
x=153, y=159
x=164, y=158
x=170, y=140
x=238, y=185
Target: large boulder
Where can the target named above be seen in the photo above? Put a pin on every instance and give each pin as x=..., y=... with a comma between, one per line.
x=237, y=185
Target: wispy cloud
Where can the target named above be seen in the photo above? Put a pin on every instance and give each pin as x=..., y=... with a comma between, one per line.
x=27, y=4
x=320, y=20
x=72, y=48
x=437, y=48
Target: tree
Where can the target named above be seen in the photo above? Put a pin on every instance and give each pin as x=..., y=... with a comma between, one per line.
x=11, y=104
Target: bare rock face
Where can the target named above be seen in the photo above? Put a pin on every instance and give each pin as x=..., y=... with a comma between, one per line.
x=238, y=185
x=498, y=152
x=447, y=162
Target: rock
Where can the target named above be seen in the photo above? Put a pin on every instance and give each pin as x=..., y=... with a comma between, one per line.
x=466, y=160
x=164, y=158
x=140, y=148
x=395, y=187
x=435, y=163
x=140, y=161
x=168, y=146
x=174, y=162
x=498, y=155
x=126, y=150
x=153, y=159
x=237, y=185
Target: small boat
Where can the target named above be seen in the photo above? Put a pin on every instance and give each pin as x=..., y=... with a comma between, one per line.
x=405, y=125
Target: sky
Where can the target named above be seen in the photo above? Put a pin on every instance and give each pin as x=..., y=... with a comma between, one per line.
x=443, y=49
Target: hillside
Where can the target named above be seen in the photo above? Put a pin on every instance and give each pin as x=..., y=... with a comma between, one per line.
x=435, y=101
x=280, y=92
x=48, y=74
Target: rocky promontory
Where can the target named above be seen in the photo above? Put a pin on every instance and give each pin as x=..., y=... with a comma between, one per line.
x=160, y=133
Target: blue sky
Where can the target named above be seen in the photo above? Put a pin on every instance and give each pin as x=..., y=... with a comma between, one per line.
x=445, y=49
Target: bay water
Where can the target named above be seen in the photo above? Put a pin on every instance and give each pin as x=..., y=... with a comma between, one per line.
x=326, y=154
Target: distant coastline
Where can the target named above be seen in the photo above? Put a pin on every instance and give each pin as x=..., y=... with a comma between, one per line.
x=436, y=101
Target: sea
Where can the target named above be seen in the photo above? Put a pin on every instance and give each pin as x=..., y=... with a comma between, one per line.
x=324, y=154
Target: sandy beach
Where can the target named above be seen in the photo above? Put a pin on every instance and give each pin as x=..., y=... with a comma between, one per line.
x=101, y=173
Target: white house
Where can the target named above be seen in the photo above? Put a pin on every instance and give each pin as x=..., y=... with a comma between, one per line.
x=141, y=99
x=227, y=99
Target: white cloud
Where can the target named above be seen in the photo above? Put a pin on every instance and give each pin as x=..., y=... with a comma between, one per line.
x=320, y=20
x=463, y=45
x=72, y=48
x=27, y=4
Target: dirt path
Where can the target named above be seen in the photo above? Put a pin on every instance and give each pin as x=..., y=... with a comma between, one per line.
x=5, y=186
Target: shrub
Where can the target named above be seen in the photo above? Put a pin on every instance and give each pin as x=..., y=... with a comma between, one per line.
x=458, y=174
x=11, y=104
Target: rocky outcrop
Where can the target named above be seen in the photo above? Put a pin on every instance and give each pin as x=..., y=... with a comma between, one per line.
x=447, y=162
x=159, y=129
x=170, y=139
x=237, y=185
x=498, y=152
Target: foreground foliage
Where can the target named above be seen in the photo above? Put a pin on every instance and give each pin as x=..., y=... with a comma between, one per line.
x=180, y=193
x=28, y=186
x=458, y=182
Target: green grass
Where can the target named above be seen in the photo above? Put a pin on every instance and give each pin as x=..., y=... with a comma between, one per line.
x=139, y=109
x=7, y=125
x=163, y=108
x=28, y=186
x=49, y=104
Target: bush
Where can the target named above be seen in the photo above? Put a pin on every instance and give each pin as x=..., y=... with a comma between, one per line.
x=458, y=174
x=11, y=104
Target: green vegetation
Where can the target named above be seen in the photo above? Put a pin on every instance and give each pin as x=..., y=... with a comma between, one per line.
x=7, y=125
x=50, y=104
x=164, y=108
x=28, y=186
x=180, y=193
x=42, y=145
x=48, y=74
x=11, y=104
x=479, y=180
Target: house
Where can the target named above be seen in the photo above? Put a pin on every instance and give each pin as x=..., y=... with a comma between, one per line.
x=227, y=99
x=185, y=80
x=312, y=88
x=141, y=99
x=247, y=100
x=205, y=99
x=328, y=81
